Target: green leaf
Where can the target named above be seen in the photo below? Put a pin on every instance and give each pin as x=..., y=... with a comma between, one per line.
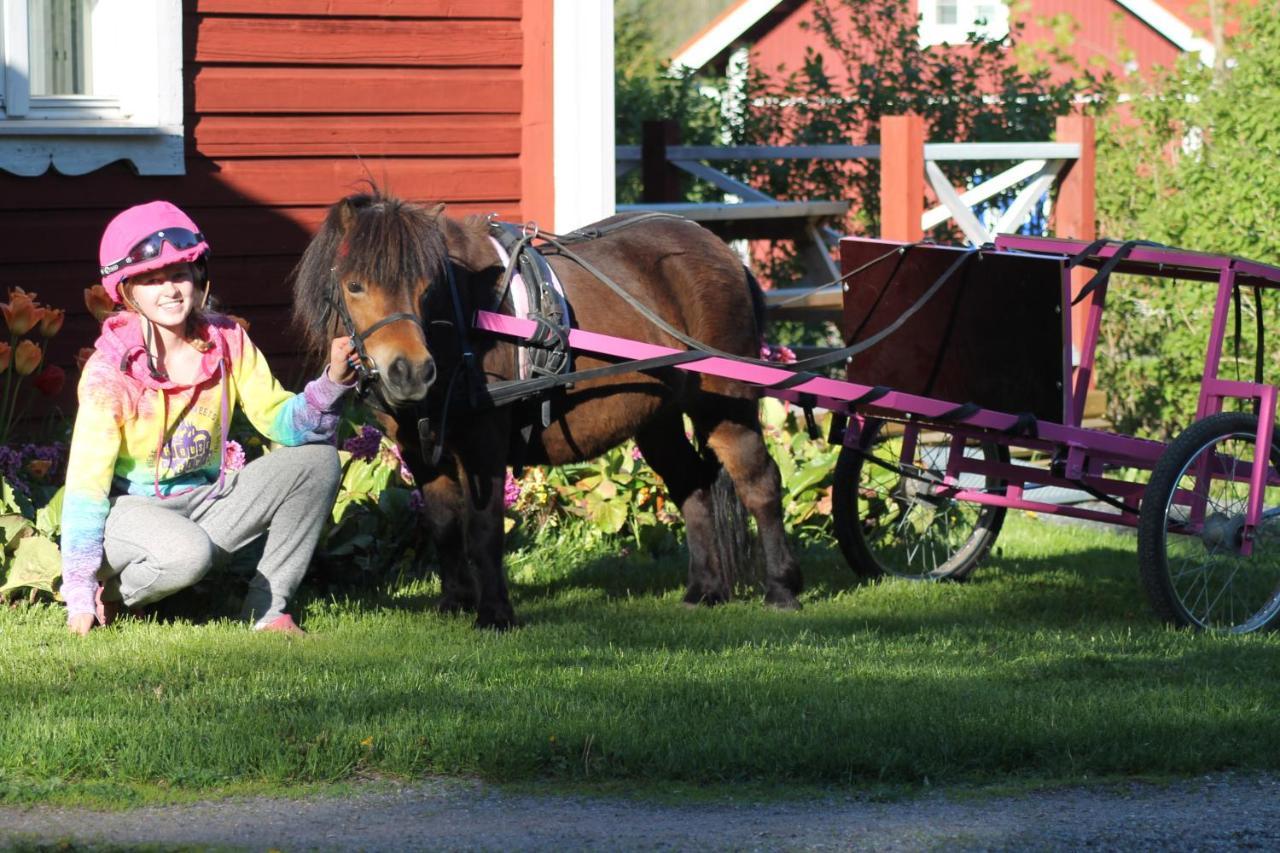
x=607, y=515
x=13, y=501
x=15, y=527
x=37, y=564
x=807, y=477
x=49, y=516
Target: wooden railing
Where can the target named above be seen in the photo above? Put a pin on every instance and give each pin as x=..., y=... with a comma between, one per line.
x=906, y=162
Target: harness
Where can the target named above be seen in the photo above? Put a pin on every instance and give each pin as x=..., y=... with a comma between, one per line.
x=527, y=273
x=535, y=294
x=366, y=368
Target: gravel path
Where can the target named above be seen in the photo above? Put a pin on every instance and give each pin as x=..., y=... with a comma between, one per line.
x=1221, y=812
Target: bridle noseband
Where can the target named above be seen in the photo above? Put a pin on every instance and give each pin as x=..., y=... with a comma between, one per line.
x=366, y=368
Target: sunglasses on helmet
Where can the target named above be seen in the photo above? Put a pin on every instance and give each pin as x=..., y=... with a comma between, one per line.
x=150, y=246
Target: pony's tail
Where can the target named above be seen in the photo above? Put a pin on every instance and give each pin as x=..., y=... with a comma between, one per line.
x=731, y=539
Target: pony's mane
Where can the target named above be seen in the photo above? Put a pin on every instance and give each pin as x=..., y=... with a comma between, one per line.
x=375, y=237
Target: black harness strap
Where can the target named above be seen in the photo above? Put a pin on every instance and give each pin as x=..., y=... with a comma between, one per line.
x=512, y=390
x=1103, y=274
x=960, y=413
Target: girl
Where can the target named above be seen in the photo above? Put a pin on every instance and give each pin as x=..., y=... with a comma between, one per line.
x=149, y=503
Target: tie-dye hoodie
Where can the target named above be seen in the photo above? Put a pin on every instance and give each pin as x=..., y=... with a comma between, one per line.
x=119, y=447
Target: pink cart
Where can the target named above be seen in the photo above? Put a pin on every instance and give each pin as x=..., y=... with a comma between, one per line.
x=984, y=366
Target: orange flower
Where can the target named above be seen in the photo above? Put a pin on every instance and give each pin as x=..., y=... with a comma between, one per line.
x=82, y=356
x=21, y=312
x=26, y=358
x=100, y=305
x=6, y=355
x=51, y=322
x=38, y=468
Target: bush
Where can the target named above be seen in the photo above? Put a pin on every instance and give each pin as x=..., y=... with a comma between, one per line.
x=1193, y=161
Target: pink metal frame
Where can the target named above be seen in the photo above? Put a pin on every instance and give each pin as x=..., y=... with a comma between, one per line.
x=1085, y=452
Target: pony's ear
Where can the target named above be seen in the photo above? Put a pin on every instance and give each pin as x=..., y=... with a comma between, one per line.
x=436, y=211
x=346, y=214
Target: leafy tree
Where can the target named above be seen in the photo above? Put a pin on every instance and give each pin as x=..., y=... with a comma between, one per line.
x=646, y=88
x=975, y=92
x=1193, y=161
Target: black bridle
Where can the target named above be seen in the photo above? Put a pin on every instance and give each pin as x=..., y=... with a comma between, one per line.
x=365, y=367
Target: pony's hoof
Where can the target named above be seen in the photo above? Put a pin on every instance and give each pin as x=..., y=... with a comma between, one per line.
x=782, y=599
x=451, y=605
x=704, y=598
x=496, y=619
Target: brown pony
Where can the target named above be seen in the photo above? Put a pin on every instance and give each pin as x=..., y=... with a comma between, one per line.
x=377, y=258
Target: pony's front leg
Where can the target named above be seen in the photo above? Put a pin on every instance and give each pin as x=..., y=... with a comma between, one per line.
x=444, y=514
x=485, y=543
x=482, y=467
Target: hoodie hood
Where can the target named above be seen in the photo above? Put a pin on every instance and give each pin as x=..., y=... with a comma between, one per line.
x=122, y=343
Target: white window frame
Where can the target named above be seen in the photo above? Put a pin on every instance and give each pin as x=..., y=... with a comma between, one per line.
x=932, y=32
x=135, y=113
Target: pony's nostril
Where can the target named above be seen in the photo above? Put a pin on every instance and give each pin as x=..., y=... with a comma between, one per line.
x=399, y=371
x=429, y=373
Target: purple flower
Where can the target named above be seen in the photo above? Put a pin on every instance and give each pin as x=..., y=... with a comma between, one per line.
x=14, y=461
x=636, y=454
x=511, y=492
x=416, y=501
x=366, y=444
x=777, y=354
x=233, y=456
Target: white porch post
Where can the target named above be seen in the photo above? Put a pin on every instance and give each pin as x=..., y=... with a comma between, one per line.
x=583, y=99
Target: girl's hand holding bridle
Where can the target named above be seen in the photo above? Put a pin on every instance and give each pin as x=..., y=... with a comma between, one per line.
x=342, y=360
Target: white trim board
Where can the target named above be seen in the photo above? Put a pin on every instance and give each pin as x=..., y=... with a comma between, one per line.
x=742, y=17
x=1170, y=26
x=582, y=106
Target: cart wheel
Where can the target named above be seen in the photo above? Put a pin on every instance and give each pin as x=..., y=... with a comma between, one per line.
x=1199, y=578
x=887, y=523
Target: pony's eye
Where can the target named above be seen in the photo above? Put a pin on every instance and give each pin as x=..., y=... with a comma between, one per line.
x=355, y=287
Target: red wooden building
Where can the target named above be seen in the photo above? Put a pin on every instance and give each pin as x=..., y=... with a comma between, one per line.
x=1123, y=36
x=256, y=115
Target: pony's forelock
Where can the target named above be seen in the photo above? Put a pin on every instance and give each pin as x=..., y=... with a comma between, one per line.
x=380, y=239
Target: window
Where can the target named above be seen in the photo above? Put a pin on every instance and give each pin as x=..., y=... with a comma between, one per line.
x=951, y=21
x=88, y=82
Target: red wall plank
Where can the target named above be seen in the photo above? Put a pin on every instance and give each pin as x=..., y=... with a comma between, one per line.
x=442, y=135
x=356, y=90
x=366, y=8
x=232, y=232
x=364, y=42
x=282, y=183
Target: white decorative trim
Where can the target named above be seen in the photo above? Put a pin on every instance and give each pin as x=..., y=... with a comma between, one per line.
x=1171, y=27
x=134, y=113
x=721, y=36
x=582, y=124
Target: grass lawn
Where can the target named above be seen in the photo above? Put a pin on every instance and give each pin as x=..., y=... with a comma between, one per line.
x=1047, y=666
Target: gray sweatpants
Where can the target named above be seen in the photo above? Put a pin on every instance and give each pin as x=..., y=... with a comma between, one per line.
x=156, y=547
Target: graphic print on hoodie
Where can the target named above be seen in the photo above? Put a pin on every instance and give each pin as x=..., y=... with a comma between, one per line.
x=125, y=411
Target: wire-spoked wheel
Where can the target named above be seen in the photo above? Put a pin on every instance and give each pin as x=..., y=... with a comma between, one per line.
x=888, y=521
x=1190, y=559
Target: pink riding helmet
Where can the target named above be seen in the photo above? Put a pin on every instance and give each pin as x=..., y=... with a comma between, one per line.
x=147, y=237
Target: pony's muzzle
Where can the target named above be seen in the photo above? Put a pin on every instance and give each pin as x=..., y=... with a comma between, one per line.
x=405, y=381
